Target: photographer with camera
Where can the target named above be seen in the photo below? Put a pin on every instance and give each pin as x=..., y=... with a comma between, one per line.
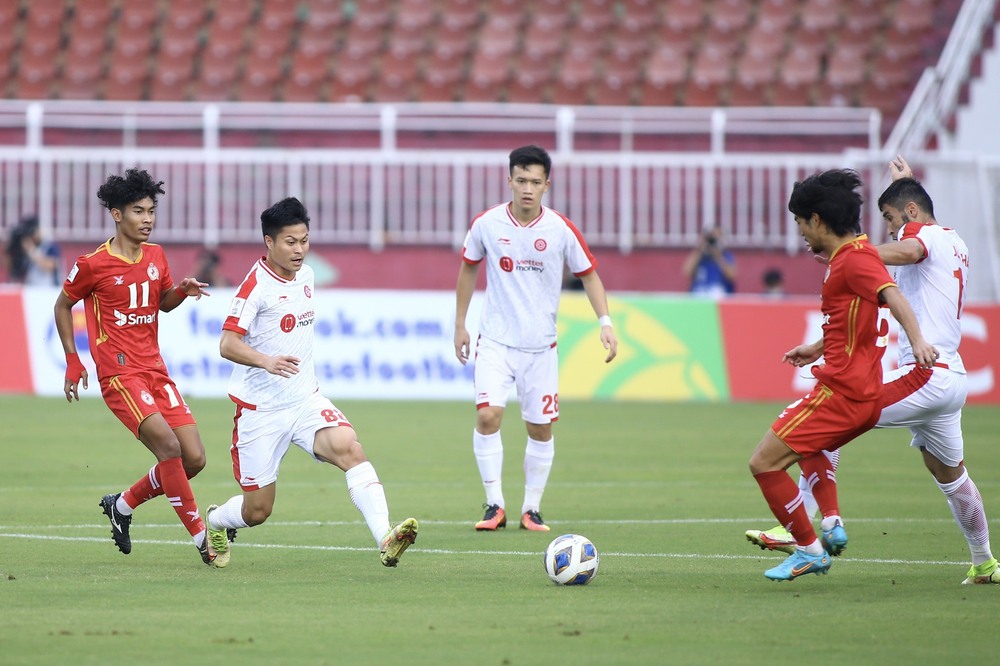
x=710, y=268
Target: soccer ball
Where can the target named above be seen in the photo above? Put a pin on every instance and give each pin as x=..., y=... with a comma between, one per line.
x=571, y=559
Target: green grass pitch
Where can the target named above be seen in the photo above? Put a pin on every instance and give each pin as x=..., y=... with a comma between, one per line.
x=662, y=490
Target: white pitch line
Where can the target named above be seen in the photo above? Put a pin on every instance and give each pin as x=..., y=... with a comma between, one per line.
x=445, y=551
x=750, y=522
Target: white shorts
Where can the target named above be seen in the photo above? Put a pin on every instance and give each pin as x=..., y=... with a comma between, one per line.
x=932, y=410
x=535, y=374
x=261, y=437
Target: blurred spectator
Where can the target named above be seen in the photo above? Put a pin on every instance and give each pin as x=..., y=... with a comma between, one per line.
x=33, y=261
x=774, y=283
x=207, y=269
x=710, y=268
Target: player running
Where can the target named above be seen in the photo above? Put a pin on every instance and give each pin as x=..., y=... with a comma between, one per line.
x=847, y=398
x=932, y=270
x=269, y=335
x=124, y=284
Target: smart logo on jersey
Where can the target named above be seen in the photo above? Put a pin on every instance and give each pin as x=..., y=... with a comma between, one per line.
x=506, y=264
x=153, y=272
x=540, y=244
x=133, y=319
x=288, y=323
x=119, y=280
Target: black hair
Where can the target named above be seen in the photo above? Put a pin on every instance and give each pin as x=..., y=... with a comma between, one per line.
x=283, y=214
x=833, y=196
x=526, y=156
x=120, y=191
x=18, y=258
x=773, y=277
x=903, y=191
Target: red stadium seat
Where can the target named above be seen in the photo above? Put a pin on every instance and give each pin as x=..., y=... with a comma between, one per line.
x=730, y=16
x=460, y=15
x=126, y=79
x=529, y=86
x=415, y=14
x=819, y=17
x=684, y=16
x=171, y=78
x=614, y=89
x=81, y=77
x=136, y=19
x=913, y=16
x=231, y=16
x=440, y=80
x=352, y=79
x=130, y=46
x=92, y=15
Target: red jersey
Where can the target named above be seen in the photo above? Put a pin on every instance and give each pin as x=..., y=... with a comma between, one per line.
x=854, y=340
x=122, y=303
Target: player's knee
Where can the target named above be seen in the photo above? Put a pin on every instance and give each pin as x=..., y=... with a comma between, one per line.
x=192, y=467
x=488, y=420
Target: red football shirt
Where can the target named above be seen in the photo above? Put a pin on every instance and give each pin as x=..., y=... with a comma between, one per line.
x=854, y=340
x=122, y=303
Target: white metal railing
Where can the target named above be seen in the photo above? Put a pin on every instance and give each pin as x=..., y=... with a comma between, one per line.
x=391, y=126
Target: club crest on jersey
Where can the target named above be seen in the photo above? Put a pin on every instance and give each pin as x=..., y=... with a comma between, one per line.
x=307, y=291
x=540, y=244
x=152, y=271
x=146, y=398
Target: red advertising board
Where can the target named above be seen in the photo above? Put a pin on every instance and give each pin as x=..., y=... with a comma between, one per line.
x=757, y=333
x=15, y=357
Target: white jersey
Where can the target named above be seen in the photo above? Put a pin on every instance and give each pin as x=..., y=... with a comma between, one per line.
x=275, y=316
x=524, y=273
x=935, y=287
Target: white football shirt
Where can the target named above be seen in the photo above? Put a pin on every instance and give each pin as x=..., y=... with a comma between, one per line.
x=275, y=316
x=935, y=288
x=524, y=273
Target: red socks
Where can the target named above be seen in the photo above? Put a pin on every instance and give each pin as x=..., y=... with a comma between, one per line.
x=783, y=496
x=819, y=472
x=177, y=488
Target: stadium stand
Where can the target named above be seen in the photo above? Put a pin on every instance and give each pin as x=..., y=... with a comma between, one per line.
x=617, y=52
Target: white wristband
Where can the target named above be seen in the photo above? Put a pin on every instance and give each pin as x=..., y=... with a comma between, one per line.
x=604, y=321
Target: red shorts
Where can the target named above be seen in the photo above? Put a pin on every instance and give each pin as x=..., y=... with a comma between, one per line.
x=824, y=421
x=137, y=395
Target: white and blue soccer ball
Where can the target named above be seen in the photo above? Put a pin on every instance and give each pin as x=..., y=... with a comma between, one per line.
x=571, y=559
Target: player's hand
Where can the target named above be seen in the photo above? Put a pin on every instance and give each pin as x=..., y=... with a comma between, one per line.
x=610, y=342
x=802, y=355
x=924, y=353
x=283, y=366
x=192, y=287
x=898, y=168
x=75, y=373
x=462, y=344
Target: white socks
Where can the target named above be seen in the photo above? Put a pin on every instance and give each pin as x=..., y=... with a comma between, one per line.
x=229, y=514
x=967, y=506
x=537, y=465
x=369, y=496
x=489, y=458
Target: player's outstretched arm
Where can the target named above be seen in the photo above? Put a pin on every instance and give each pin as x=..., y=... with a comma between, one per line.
x=804, y=354
x=189, y=286
x=598, y=297
x=75, y=372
